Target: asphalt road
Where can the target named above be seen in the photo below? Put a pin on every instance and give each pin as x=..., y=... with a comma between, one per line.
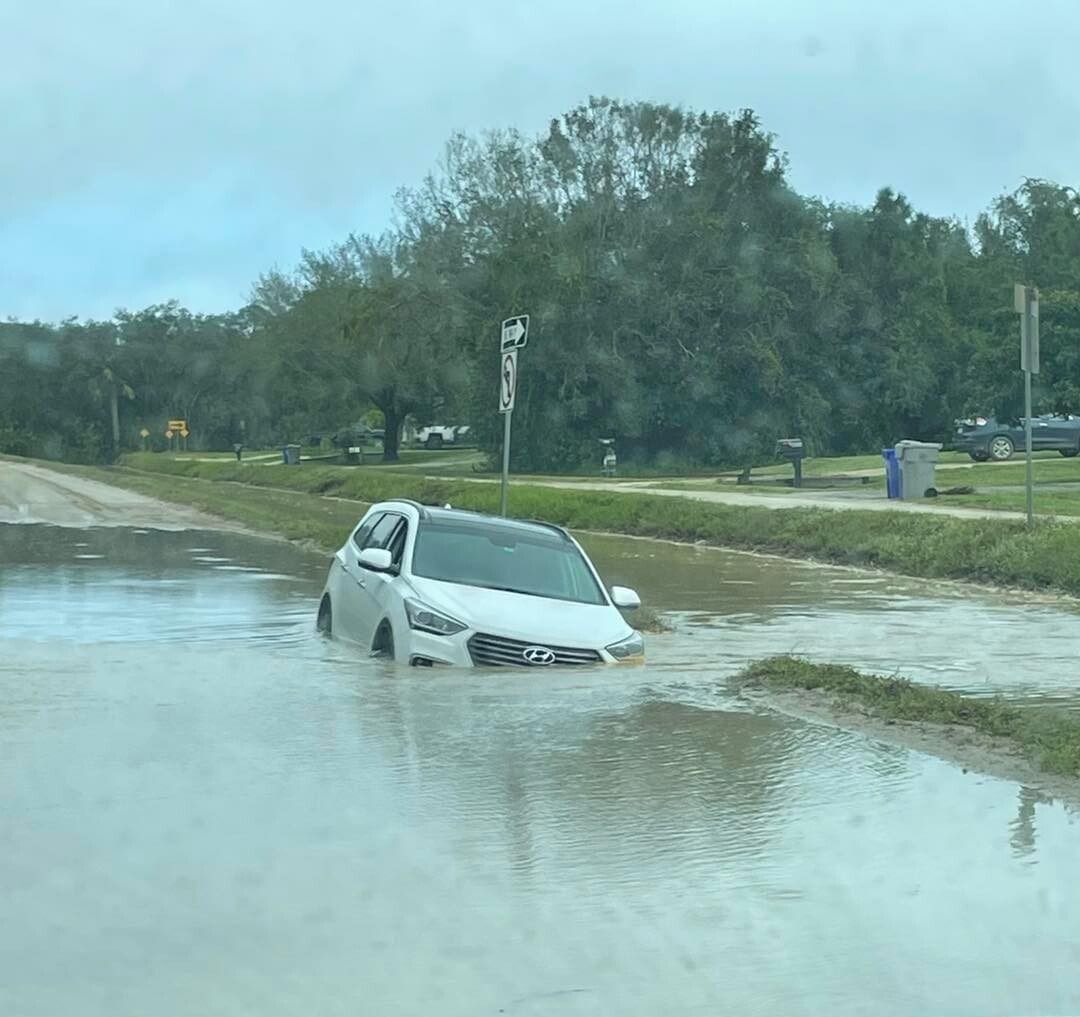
x=33, y=494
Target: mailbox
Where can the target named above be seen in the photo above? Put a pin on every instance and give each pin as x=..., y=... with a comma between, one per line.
x=793, y=450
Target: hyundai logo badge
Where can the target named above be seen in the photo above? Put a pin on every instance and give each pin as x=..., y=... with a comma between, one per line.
x=541, y=656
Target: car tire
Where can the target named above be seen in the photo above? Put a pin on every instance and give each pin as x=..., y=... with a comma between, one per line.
x=324, y=623
x=383, y=644
x=434, y=441
x=1001, y=448
x=979, y=457
x=1069, y=453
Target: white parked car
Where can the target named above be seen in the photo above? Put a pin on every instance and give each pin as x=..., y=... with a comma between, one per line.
x=430, y=586
x=439, y=435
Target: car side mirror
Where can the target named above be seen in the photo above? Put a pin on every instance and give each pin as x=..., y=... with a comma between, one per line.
x=625, y=598
x=378, y=559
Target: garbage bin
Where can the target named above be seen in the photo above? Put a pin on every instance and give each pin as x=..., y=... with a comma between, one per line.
x=352, y=455
x=917, y=459
x=290, y=454
x=892, y=472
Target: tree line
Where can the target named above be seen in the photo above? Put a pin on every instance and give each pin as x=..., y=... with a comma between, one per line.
x=685, y=301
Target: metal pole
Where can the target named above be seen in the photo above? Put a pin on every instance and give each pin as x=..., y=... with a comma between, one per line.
x=1027, y=449
x=506, y=460
x=1028, y=341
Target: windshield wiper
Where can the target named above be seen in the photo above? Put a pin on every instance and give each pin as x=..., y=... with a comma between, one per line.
x=512, y=589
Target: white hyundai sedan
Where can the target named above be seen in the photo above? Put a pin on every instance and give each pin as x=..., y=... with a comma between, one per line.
x=431, y=586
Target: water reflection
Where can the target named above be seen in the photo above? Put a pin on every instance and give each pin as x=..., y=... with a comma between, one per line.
x=1022, y=828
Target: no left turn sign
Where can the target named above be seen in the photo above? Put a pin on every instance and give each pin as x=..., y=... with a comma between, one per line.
x=507, y=381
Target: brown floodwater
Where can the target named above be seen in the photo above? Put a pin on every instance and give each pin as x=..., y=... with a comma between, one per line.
x=205, y=808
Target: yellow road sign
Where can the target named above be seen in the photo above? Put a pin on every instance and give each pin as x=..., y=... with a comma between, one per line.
x=144, y=433
x=168, y=433
x=183, y=432
x=177, y=425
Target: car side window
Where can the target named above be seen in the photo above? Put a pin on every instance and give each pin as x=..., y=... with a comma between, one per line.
x=396, y=546
x=360, y=537
x=383, y=531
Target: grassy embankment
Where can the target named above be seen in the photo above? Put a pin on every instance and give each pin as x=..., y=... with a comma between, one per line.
x=1047, y=737
x=955, y=465
x=994, y=551
x=998, y=486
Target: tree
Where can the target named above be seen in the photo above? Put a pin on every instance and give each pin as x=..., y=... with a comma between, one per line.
x=367, y=315
x=685, y=300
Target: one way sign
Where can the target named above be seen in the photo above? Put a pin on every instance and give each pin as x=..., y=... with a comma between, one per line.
x=507, y=381
x=515, y=333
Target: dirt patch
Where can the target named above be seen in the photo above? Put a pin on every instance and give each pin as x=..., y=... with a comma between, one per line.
x=955, y=743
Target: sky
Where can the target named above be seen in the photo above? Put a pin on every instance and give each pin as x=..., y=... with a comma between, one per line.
x=157, y=149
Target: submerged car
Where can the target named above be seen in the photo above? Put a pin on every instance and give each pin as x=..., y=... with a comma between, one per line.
x=985, y=438
x=425, y=586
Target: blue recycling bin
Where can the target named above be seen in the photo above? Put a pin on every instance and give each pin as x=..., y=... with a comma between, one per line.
x=892, y=472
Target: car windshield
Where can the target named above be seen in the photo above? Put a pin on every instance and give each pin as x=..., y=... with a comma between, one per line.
x=505, y=558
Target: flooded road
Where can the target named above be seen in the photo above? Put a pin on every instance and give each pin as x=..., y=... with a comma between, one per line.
x=206, y=809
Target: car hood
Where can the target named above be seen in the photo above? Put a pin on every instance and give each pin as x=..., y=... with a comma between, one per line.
x=521, y=616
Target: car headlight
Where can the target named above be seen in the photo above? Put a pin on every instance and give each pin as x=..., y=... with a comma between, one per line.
x=427, y=619
x=632, y=646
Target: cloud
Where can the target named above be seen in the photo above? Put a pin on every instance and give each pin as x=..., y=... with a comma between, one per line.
x=178, y=147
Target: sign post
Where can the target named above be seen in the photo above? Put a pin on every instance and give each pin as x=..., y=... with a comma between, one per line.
x=179, y=429
x=513, y=337
x=1026, y=303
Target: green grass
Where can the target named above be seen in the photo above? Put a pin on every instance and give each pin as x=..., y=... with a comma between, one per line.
x=999, y=486
x=819, y=467
x=1049, y=738
x=1049, y=467
x=451, y=462
x=1047, y=503
x=754, y=489
x=372, y=455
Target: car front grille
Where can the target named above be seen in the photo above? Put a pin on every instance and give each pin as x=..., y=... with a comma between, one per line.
x=497, y=651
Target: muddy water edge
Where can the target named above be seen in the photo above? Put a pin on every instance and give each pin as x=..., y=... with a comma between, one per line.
x=206, y=808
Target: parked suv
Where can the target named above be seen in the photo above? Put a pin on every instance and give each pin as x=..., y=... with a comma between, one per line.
x=430, y=586
x=439, y=435
x=985, y=438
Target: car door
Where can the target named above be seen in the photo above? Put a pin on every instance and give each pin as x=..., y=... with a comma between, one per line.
x=1061, y=433
x=382, y=587
x=351, y=606
x=1044, y=436
x=363, y=604
x=1070, y=428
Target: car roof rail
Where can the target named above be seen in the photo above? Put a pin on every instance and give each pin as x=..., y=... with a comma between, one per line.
x=421, y=509
x=561, y=530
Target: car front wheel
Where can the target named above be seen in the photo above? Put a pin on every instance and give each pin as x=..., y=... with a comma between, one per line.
x=324, y=624
x=383, y=646
x=1068, y=453
x=979, y=457
x=1001, y=448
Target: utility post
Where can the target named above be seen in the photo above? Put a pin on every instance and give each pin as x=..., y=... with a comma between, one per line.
x=1026, y=304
